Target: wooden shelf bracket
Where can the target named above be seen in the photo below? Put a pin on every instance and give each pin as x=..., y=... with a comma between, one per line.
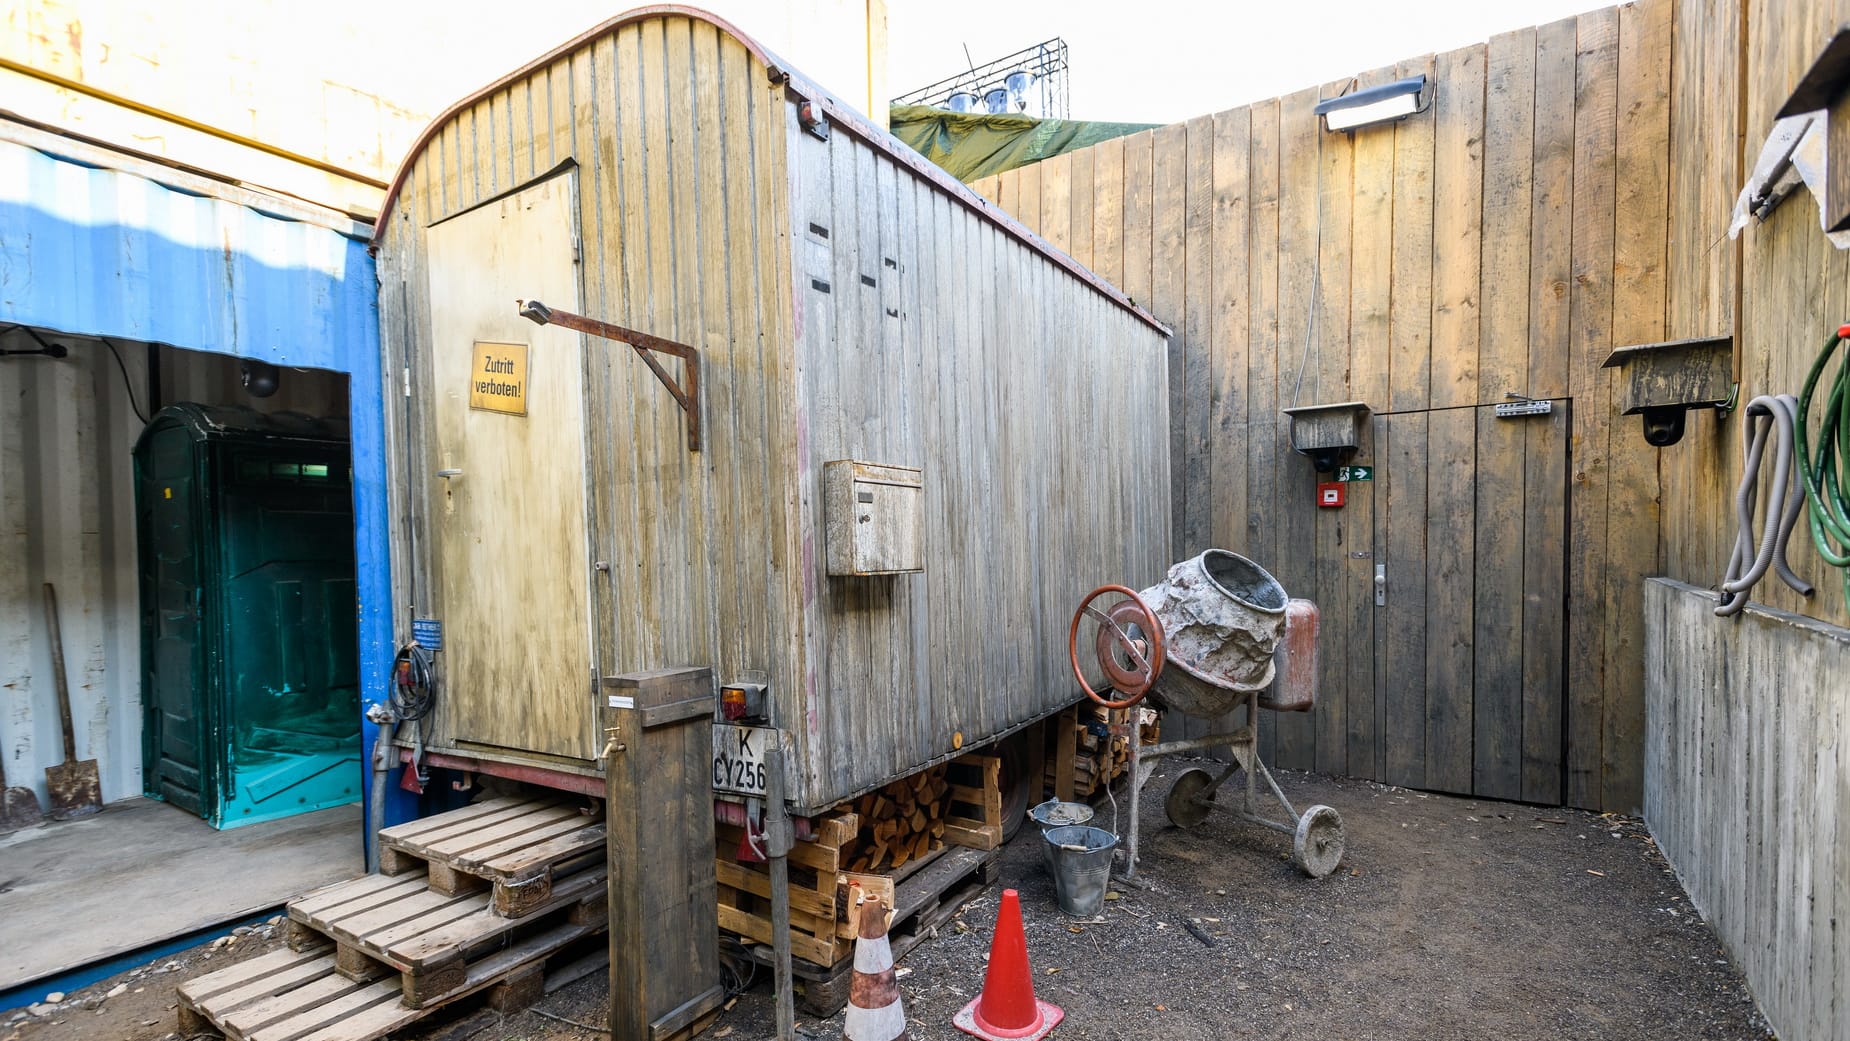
x=688, y=397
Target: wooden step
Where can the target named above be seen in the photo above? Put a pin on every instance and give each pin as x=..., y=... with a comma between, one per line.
x=515, y=847
x=435, y=941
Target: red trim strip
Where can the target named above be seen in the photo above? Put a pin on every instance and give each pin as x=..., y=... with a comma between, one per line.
x=557, y=779
x=841, y=114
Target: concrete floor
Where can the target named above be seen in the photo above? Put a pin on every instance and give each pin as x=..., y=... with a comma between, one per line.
x=79, y=891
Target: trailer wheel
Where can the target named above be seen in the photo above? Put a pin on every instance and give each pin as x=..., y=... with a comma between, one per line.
x=1318, y=844
x=1016, y=784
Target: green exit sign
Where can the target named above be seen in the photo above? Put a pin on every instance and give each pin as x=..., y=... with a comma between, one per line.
x=1355, y=473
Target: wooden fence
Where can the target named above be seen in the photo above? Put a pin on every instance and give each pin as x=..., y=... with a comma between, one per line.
x=1567, y=192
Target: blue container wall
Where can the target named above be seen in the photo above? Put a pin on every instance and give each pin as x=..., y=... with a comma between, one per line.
x=99, y=252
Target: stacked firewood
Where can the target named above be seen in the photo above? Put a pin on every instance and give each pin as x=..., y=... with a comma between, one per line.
x=1098, y=757
x=903, y=821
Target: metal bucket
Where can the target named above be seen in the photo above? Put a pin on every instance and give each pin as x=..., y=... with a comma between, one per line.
x=1081, y=857
x=1222, y=617
x=1056, y=814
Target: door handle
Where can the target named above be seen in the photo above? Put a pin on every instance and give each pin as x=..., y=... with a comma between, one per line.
x=1380, y=585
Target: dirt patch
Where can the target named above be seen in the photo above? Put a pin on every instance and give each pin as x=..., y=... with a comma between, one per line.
x=1450, y=919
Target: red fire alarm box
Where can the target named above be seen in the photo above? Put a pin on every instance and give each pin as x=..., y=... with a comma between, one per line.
x=1330, y=494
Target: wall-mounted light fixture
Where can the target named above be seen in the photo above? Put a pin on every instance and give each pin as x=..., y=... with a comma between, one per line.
x=1329, y=434
x=260, y=378
x=1663, y=381
x=1383, y=104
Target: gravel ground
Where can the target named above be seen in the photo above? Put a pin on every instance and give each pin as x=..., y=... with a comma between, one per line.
x=1450, y=919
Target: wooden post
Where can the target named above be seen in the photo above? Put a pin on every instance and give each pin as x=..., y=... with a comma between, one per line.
x=664, y=918
x=1066, y=746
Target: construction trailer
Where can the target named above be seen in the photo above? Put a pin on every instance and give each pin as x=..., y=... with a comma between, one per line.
x=566, y=515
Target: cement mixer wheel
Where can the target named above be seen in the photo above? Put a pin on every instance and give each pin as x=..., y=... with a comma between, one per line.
x=1318, y=845
x=1184, y=805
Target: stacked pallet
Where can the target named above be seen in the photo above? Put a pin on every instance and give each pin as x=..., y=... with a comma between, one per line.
x=505, y=896
x=918, y=842
x=1097, y=756
x=923, y=895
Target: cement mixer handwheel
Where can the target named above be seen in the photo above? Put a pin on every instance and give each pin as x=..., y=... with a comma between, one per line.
x=1146, y=655
x=1318, y=845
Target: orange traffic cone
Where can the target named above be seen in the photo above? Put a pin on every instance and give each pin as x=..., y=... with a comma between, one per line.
x=1007, y=1010
x=874, y=1009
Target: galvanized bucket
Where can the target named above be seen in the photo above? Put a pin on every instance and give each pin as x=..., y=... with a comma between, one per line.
x=1081, y=858
x=1056, y=814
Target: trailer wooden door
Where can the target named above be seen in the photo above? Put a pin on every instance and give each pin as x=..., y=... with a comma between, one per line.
x=509, y=511
x=1471, y=561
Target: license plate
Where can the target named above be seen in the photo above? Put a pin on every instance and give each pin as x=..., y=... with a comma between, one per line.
x=738, y=758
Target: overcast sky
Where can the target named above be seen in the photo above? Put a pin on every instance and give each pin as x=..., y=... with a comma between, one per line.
x=1149, y=61
x=1161, y=61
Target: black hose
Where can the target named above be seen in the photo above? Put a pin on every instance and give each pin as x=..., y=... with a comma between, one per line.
x=411, y=685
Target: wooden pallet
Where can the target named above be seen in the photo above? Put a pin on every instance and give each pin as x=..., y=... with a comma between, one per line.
x=818, y=922
x=923, y=900
x=515, y=847
x=436, y=941
x=974, y=818
x=290, y=995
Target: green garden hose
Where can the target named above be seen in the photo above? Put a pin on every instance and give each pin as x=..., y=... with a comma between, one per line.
x=1830, y=514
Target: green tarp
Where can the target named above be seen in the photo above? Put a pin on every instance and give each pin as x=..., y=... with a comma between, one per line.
x=971, y=146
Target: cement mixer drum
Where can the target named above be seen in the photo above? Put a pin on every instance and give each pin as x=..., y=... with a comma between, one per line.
x=1222, y=617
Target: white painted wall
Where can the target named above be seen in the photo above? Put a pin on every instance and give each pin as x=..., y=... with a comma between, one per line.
x=67, y=517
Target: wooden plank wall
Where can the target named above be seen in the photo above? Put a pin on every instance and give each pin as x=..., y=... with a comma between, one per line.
x=1793, y=289
x=1504, y=241
x=1035, y=407
x=1747, y=776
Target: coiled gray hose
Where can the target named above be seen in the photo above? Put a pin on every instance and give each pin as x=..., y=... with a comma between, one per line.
x=1785, y=501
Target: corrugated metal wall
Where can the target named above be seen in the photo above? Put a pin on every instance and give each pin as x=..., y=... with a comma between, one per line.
x=67, y=517
x=97, y=244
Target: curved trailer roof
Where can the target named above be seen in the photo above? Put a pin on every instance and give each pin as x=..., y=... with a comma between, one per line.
x=837, y=111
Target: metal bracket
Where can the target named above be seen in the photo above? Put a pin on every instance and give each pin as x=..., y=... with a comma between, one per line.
x=687, y=397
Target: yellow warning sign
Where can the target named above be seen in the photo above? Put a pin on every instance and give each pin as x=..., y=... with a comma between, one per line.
x=498, y=378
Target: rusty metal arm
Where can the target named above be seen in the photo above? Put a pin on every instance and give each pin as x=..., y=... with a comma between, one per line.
x=687, y=397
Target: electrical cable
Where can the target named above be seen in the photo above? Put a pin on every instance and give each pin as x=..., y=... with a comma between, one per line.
x=1316, y=286
x=1785, y=500
x=410, y=689
x=1830, y=513
x=127, y=384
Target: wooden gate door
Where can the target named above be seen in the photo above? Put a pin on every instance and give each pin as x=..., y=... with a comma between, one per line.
x=1471, y=573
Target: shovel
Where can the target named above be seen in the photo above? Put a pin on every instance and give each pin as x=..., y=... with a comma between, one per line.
x=19, y=808
x=73, y=785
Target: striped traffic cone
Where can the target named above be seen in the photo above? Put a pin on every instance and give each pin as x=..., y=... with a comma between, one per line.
x=874, y=1009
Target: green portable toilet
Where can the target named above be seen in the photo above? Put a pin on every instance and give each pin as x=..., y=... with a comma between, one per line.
x=250, y=685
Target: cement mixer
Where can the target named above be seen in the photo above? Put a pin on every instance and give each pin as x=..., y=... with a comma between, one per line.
x=1217, y=634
